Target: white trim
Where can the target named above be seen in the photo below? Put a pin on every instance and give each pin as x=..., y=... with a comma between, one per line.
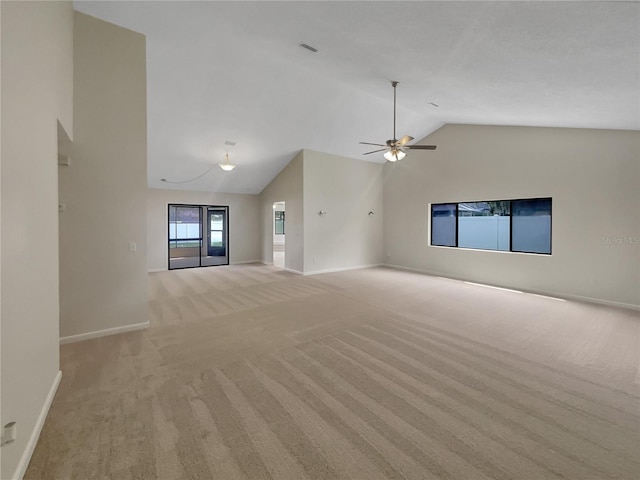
x=242, y=262
x=290, y=270
x=343, y=269
x=549, y=293
x=156, y=270
x=21, y=469
x=103, y=333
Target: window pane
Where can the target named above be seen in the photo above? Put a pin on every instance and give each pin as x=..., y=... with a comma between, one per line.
x=216, y=239
x=484, y=225
x=531, y=225
x=184, y=222
x=188, y=214
x=216, y=221
x=184, y=244
x=443, y=225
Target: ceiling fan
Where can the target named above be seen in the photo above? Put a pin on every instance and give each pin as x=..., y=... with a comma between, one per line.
x=396, y=148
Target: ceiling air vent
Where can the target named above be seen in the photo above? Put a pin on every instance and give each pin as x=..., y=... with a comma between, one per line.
x=308, y=47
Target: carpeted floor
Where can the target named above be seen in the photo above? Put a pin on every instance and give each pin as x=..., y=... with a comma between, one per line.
x=251, y=372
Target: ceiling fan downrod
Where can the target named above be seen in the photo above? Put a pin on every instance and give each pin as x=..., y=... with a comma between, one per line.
x=394, y=84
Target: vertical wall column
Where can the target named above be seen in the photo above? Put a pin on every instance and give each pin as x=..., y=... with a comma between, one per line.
x=103, y=274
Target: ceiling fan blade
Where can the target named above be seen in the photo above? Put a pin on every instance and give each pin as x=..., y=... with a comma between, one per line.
x=376, y=144
x=375, y=151
x=421, y=147
x=403, y=140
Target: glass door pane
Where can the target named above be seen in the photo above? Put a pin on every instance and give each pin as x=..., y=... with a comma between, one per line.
x=185, y=236
x=217, y=237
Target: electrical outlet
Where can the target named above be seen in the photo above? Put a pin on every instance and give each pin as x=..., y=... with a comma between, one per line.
x=132, y=246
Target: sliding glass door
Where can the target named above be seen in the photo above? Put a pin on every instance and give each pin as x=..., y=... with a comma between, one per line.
x=185, y=236
x=198, y=236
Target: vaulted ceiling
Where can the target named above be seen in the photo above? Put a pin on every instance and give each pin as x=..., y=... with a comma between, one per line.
x=234, y=72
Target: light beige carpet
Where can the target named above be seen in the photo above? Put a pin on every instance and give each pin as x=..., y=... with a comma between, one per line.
x=250, y=372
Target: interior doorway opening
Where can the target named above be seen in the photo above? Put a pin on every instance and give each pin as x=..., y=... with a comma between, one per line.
x=198, y=236
x=279, y=236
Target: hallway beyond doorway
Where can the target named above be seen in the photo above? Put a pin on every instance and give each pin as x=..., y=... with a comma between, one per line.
x=278, y=234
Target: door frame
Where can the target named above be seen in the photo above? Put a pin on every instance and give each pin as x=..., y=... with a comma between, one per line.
x=211, y=210
x=203, y=219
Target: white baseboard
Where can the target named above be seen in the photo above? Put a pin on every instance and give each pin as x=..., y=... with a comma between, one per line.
x=37, y=429
x=548, y=293
x=290, y=270
x=342, y=269
x=103, y=333
x=156, y=270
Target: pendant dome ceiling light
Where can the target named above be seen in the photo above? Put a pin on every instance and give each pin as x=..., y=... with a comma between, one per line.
x=226, y=165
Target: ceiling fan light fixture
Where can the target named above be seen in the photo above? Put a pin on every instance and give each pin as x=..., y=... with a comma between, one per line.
x=392, y=156
x=226, y=166
x=396, y=147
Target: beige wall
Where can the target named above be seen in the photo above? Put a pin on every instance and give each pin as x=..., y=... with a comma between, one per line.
x=244, y=223
x=592, y=175
x=286, y=187
x=347, y=236
x=37, y=89
x=103, y=285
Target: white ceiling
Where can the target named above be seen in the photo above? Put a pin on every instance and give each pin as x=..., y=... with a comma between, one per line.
x=221, y=71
